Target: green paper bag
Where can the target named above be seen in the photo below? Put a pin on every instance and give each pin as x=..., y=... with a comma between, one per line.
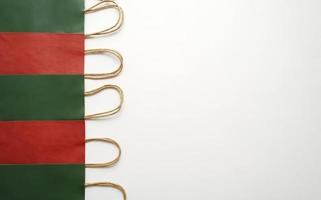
x=46, y=182
x=47, y=97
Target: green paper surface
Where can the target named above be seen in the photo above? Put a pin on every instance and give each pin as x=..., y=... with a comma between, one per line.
x=44, y=97
x=42, y=182
x=56, y=16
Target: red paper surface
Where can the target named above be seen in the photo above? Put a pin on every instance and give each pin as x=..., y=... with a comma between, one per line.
x=42, y=142
x=41, y=53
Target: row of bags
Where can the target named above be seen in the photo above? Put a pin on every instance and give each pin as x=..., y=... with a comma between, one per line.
x=42, y=112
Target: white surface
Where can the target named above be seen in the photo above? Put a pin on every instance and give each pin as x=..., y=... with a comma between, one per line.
x=222, y=101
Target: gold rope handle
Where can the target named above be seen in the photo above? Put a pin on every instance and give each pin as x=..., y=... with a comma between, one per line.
x=110, y=112
x=112, y=74
x=107, y=164
x=108, y=184
x=106, y=4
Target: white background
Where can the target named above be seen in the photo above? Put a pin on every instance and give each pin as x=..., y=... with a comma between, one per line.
x=222, y=100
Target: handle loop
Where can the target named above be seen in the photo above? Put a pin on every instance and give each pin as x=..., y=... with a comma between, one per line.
x=112, y=74
x=107, y=164
x=108, y=184
x=106, y=4
x=110, y=112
